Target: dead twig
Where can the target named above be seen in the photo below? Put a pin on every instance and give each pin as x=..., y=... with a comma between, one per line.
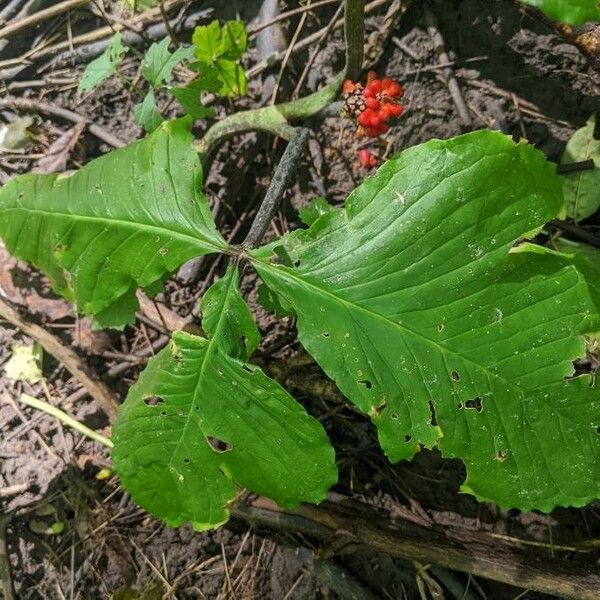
x=35, y=106
x=8, y=592
x=96, y=389
x=442, y=57
x=40, y=17
x=344, y=524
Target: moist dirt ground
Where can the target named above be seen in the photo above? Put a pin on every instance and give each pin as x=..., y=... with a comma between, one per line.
x=72, y=531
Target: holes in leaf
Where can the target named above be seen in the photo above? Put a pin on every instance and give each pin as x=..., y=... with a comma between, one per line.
x=455, y=376
x=598, y=430
x=501, y=455
x=440, y=328
x=163, y=413
x=326, y=334
x=297, y=263
x=248, y=369
x=407, y=438
x=186, y=461
x=218, y=445
x=394, y=416
x=153, y=401
x=220, y=372
x=197, y=407
x=366, y=383
x=475, y=404
x=432, y=412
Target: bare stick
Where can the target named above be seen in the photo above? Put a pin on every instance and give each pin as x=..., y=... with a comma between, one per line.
x=345, y=524
x=354, y=30
x=35, y=106
x=6, y=586
x=442, y=57
x=281, y=179
x=96, y=389
x=40, y=16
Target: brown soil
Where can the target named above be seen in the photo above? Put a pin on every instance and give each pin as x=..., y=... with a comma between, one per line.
x=107, y=543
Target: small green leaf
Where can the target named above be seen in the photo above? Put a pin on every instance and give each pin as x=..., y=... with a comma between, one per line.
x=127, y=219
x=207, y=42
x=572, y=12
x=189, y=96
x=581, y=188
x=222, y=48
x=104, y=66
x=411, y=301
x=146, y=113
x=159, y=62
x=317, y=207
x=201, y=422
x=233, y=40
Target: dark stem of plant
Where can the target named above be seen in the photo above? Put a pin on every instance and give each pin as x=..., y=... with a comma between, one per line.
x=354, y=30
x=279, y=183
x=582, y=165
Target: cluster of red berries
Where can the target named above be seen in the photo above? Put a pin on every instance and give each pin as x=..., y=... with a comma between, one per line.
x=372, y=105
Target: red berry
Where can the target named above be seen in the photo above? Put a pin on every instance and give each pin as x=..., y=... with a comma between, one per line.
x=367, y=159
x=375, y=86
x=375, y=121
x=396, y=109
x=372, y=132
x=385, y=84
x=395, y=90
x=349, y=86
x=372, y=103
x=384, y=112
x=365, y=117
x=368, y=93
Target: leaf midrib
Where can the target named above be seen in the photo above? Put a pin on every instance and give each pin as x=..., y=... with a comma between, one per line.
x=291, y=275
x=127, y=225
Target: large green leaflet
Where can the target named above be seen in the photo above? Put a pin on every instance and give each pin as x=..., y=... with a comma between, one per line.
x=126, y=219
x=201, y=421
x=409, y=299
x=573, y=12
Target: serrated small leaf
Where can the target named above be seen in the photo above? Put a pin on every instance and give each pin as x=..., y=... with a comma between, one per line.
x=104, y=66
x=410, y=300
x=189, y=95
x=232, y=76
x=317, y=207
x=201, y=421
x=125, y=220
x=572, y=12
x=158, y=62
x=581, y=189
x=146, y=113
x=207, y=41
x=233, y=40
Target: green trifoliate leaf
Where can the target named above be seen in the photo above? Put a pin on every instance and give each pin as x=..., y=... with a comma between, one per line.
x=581, y=189
x=104, y=66
x=409, y=299
x=159, y=62
x=573, y=12
x=146, y=113
x=201, y=422
x=126, y=220
x=233, y=78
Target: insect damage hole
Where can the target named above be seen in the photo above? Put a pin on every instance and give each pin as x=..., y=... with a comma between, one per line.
x=407, y=438
x=366, y=383
x=153, y=400
x=455, y=376
x=475, y=404
x=433, y=420
x=218, y=445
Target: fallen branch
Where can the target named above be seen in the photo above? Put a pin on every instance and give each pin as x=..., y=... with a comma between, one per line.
x=343, y=524
x=97, y=390
x=35, y=106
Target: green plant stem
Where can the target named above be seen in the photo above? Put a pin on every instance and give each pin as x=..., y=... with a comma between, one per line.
x=354, y=33
x=279, y=183
x=275, y=119
x=65, y=418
